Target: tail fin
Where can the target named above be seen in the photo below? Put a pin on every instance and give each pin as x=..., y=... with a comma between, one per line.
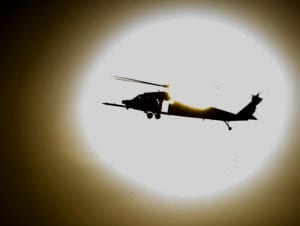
x=247, y=112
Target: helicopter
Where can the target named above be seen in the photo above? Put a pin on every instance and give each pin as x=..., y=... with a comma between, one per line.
x=151, y=104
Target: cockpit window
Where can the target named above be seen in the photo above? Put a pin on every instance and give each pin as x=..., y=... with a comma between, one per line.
x=138, y=97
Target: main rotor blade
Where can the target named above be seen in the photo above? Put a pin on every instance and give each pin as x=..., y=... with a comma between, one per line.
x=140, y=81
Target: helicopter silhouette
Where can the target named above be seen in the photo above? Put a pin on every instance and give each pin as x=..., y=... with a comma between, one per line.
x=151, y=104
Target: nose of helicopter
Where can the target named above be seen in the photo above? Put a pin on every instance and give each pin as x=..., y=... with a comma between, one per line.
x=125, y=102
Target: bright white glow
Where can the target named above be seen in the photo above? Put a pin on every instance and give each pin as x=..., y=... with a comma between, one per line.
x=209, y=62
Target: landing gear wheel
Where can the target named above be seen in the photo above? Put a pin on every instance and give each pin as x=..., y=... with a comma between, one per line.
x=157, y=116
x=149, y=115
x=228, y=126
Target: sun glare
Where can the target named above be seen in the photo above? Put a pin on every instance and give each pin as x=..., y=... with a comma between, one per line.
x=208, y=61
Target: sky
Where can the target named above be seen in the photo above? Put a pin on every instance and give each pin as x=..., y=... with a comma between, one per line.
x=50, y=175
